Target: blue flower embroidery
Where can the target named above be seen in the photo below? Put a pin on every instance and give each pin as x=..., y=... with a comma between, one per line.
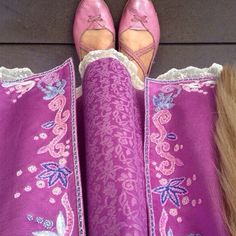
x=54, y=173
x=51, y=91
x=162, y=101
x=171, y=191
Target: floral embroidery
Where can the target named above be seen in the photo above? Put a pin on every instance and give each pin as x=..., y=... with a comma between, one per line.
x=40, y=184
x=54, y=173
x=32, y=169
x=162, y=101
x=19, y=173
x=52, y=86
x=171, y=191
x=55, y=148
x=57, y=191
x=63, y=228
x=29, y=217
x=60, y=228
x=39, y=220
x=165, y=101
x=47, y=224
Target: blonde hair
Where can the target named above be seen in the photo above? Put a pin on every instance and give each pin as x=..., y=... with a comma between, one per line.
x=226, y=142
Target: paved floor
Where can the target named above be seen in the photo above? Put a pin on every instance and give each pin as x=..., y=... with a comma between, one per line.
x=38, y=34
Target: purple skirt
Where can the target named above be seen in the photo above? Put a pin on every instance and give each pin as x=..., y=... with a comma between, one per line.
x=118, y=160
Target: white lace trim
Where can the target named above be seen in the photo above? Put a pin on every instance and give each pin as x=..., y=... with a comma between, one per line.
x=192, y=72
x=172, y=75
x=112, y=53
x=14, y=74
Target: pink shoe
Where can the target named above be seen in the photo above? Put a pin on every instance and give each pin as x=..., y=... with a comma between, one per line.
x=140, y=15
x=91, y=15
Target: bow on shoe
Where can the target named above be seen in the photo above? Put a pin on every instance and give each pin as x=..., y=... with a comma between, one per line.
x=96, y=19
x=138, y=18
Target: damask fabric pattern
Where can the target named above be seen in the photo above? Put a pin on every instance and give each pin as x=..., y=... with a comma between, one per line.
x=116, y=202
x=181, y=160
x=40, y=191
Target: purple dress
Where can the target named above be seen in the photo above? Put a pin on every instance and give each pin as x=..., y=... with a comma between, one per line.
x=146, y=161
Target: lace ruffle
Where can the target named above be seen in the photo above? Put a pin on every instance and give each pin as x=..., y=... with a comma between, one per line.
x=112, y=53
x=172, y=75
x=14, y=74
x=191, y=73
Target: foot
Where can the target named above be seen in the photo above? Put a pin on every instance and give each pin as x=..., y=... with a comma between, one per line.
x=93, y=27
x=100, y=39
x=136, y=40
x=139, y=34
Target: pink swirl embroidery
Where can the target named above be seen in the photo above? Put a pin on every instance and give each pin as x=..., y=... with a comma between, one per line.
x=162, y=223
x=69, y=215
x=55, y=148
x=166, y=167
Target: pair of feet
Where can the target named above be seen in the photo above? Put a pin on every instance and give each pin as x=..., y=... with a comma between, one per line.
x=139, y=31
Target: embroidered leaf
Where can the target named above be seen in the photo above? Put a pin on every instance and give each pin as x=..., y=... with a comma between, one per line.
x=50, y=166
x=162, y=101
x=45, y=174
x=65, y=171
x=42, y=150
x=63, y=179
x=53, y=178
x=164, y=197
x=48, y=125
x=174, y=198
x=171, y=191
x=159, y=189
x=179, y=190
x=171, y=136
x=44, y=233
x=170, y=232
x=61, y=224
x=178, y=162
x=176, y=181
